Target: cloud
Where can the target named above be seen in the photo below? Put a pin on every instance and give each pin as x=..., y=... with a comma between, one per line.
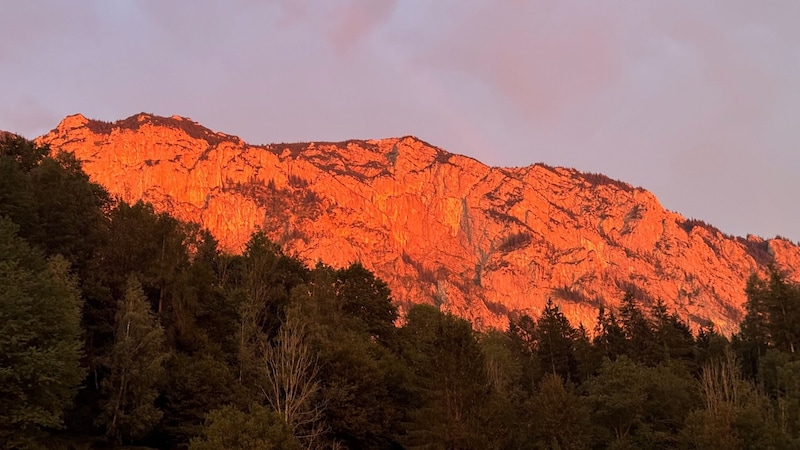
x=353, y=20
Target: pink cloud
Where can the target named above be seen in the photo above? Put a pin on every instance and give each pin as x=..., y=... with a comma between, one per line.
x=353, y=20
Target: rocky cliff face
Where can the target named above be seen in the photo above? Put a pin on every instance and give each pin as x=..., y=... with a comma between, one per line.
x=440, y=228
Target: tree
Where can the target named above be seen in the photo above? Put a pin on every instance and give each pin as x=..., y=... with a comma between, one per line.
x=40, y=340
x=363, y=381
x=780, y=378
x=367, y=298
x=136, y=366
x=559, y=417
x=71, y=210
x=771, y=322
x=195, y=385
x=640, y=406
x=522, y=335
x=617, y=396
x=556, y=338
x=292, y=384
x=773, y=312
x=18, y=157
x=363, y=388
x=672, y=335
x=609, y=336
x=736, y=415
x=52, y=200
x=257, y=429
x=507, y=381
x=639, y=334
x=262, y=281
x=709, y=345
x=151, y=245
x=142, y=243
x=450, y=380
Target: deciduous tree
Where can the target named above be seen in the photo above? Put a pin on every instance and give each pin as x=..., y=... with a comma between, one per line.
x=136, y=368
x=40, y=340
x=257, y=429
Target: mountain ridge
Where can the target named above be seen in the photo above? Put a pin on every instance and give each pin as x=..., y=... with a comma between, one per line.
x=442, y=228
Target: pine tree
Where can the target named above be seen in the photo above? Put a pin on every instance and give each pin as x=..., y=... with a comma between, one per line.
x=639, y=333
x=556, y=338
x=609, y=336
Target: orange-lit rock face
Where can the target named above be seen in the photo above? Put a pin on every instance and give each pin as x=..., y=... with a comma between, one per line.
x=439, y=228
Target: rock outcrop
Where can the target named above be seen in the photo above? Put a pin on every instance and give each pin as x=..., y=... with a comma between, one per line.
x=440, y=228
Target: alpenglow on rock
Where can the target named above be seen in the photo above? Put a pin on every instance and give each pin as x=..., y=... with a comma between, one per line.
x=482, y=242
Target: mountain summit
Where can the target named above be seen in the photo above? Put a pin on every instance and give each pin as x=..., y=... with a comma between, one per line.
x=482, y=242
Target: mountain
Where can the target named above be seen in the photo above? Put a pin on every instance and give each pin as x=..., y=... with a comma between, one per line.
x=479, y=241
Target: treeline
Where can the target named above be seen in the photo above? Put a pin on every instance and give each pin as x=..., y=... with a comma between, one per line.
x=120, y=326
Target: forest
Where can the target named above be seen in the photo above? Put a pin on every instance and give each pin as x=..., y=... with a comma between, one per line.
x=121, y=327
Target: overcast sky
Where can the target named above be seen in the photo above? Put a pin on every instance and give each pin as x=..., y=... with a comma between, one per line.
x=697, y=101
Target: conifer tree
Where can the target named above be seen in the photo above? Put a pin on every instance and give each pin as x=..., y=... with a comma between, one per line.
x=556, y=338
x=609, y=336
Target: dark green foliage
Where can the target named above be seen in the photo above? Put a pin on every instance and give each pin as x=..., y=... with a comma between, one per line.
x=70, y=210
x=709, y=345
x=561, y=416
x=266, y=276
x=451, y=381
x=637, y=406
x=153, y=246
x=195, y=385
x=136, y=366
x=17, y=158
x=780, y=376
x=735, y=415
x=504, y=365
x=40, y=345
x=773, y=313
x=55, y=205
x=504, y=412
x=523, y=344
x=351, y=327
x=257, y=429
x=363, y=387
x=367, y=298
x=556, y=344
x=609, y=339
x=639, y=334
x=672, y=336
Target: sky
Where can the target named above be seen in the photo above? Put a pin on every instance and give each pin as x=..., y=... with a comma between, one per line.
x=697, y=101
